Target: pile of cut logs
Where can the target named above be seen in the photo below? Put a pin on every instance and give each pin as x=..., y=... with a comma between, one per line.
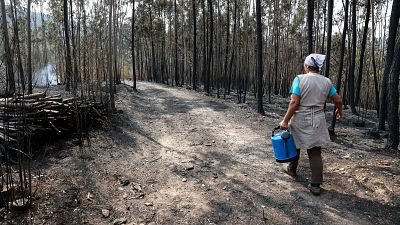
x=38, y=114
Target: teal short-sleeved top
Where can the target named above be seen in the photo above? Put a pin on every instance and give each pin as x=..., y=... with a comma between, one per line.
x=295, y=89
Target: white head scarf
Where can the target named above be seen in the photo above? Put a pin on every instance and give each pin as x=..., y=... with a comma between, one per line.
x=315, y=60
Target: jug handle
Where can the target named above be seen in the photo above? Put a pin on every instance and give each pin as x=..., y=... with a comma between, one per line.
x=275, y=129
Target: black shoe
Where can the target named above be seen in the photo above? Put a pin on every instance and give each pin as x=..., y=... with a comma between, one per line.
x=288, y=172
x=315, y=190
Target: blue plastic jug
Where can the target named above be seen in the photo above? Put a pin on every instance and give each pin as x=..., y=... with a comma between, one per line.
x=283, y=145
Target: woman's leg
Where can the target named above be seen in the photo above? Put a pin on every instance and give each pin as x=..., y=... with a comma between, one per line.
x=292, y=166
x=314, y=156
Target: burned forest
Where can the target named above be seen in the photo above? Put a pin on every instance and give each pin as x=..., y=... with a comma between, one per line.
x=161, y=111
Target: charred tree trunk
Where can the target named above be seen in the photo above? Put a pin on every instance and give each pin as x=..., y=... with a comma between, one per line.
x=68, y=63
x=228, y=25
x=393, y=100
x=310, y=24
x=394, y=22
x=353, y=58
x=194, y=71
x=376, y=86
x=219, y=65
x=234, y=37
x=110, y=57
x=362, y=53
x=29, y=47
x=74, y=54
x=176, y=44
x=153, y=54
x=210, y=46
x=329, y=38
x=276, y=46
x=18, y=47
x=259, y=59
x=133, y=47
x=342, y=52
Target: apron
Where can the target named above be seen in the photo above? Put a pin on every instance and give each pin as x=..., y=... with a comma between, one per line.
x=308, y=125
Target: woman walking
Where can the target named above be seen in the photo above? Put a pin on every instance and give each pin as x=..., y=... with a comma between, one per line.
x=306, y=115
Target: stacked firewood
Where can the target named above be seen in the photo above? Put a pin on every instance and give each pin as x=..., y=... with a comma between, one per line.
x=37, y=114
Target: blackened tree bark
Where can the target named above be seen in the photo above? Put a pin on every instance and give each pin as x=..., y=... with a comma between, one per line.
x=325, y=23
x=329, y=38
x=194, y=71
x=276, y=46
x=353, y=58
x=18, y=47
x=234, y=37
x=394, y=22
x=362, y=53
x=8, y=56
x=259, y=59
x=133, y=47
x=218, y=64
x=74, y=52
x=310, y=20
x=68, y=64
x=204, y=41
x=376, y=86
x=153, y=54
x=210, y=46
x=117, y=71
x=184, y=52
x=176, y=43
x=341, y=64
x=393, y=100
x=228, y=26
x=85, y=87
x=110, y=56
x=29, y=47
x=162, y=58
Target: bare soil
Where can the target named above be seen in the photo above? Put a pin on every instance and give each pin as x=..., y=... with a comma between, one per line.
x=175, y=156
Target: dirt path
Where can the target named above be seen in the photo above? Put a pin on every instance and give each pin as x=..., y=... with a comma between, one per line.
x=174, y=156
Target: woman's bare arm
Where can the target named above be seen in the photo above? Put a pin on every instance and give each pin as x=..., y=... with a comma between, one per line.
x=293, y=105
x=338, y=102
